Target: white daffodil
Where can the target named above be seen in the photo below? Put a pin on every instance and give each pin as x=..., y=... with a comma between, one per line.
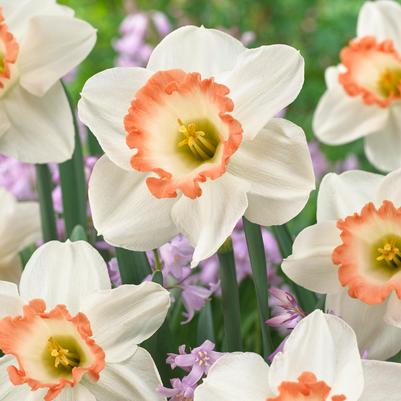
x=363, y=98
x=67, y=336
x=40, y=41
x=353, y=254
x=19, y=227
x=191, y=143
x=320, y=362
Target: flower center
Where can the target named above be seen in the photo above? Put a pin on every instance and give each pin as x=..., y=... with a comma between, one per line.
x=194, y=142
x=180, y=127
x=203, y=358
x=62, y=356
x=389, y=83
x=369, y=257
x=372, y=70
x=53, y=349
x=390, y=253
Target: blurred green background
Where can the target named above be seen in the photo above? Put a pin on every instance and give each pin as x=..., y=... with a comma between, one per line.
x=318, y=28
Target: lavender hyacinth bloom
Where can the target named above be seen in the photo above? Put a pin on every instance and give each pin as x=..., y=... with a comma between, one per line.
x=286, y=310
x=133, y=46
x=182, y=390
x=197, y=362
x=18, y=178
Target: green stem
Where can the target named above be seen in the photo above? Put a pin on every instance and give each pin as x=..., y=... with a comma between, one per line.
x=257, y=257
x=158, y=263
x=161, y=343
x=134, y=266
x=306, y=298
x=44, y=189
x=205, y=324
x=230, y=298
x=73, y=183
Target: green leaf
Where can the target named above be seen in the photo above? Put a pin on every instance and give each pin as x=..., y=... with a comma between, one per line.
x=230, y=298
x=134, y=266
x=44, y=189
x=257, y=257
x=78, y=234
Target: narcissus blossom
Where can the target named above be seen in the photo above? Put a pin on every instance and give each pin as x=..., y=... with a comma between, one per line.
x=67, y=335
x=319, y=362
x=40, y=42
x=19, y=227
x=353, y=254
x=191, y=143
x=364, y=91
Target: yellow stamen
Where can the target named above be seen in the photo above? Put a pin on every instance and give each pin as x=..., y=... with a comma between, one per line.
x=389, y=82
x=61, y=355
x=195, y=139
x=390, y=254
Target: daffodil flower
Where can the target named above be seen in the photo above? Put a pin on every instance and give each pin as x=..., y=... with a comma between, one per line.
x=363, y=97
x=320, y=362
x=353, y=254
x=192, y=144
x=67, y=335
x=19, y=227
x=40, y=42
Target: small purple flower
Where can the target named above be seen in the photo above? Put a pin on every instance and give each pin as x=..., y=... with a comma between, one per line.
x=194, y=298
x=286, y=310
x=18, y=178
x=182, y=390
x=176, y=256
x=197, y=362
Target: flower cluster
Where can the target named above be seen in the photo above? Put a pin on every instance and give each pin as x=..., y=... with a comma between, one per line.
x=182, y=231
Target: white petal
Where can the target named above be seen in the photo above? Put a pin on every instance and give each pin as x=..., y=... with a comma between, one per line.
x=10, y=301
x=208, y=220
x=236, y=376
x=390, y=188
x=264, y=81
x=77, y=393
x=393, y=311
x=340, y=118
x=21, y=228
x=8, y=391
x=383, y=147
x=5, y=123
x=125, y=212
x=64, y=273
x=326, y=346
x=105, y=100
x=277, y=163
x=310, y=264
x=341, y=195
x=45, y=134
x=11, y=269
x=382, y=20
x=136, y=378
x=193, y=49
x=125, y=316
x=331, y=76
x=379, y=339
x=53, y=46
x=382, y=381
x=18, y=15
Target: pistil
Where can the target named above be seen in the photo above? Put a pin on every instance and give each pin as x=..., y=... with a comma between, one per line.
x=196, y=140
x=389, y=82
x=62, y=355
x=390, y=254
